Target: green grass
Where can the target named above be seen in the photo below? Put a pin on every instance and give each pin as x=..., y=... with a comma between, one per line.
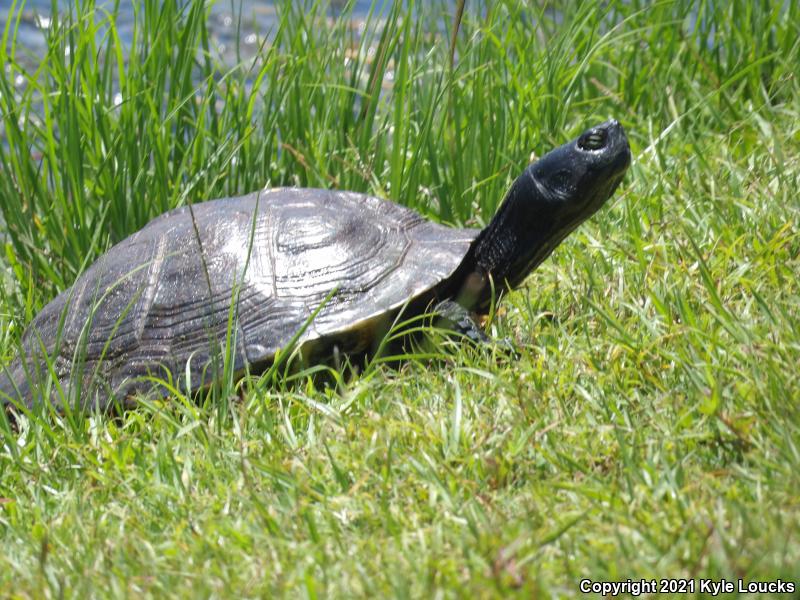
x=650, y=427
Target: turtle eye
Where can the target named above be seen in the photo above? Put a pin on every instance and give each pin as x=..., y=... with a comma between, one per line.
x=593, y=139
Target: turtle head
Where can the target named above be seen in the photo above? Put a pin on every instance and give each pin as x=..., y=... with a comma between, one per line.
x=549, y=200
x=570, y=183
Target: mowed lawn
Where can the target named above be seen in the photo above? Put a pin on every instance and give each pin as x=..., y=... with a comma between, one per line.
x=650, y=426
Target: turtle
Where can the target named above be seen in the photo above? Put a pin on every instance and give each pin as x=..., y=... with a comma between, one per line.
x=325, y=270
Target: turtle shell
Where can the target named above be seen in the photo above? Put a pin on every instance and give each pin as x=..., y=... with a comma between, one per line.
x=258, y=266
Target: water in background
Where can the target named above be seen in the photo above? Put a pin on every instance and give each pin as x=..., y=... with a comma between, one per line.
x=247, y=22
x=237, y=29
x=246, y=19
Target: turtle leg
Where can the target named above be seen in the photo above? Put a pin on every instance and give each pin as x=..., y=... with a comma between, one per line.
x=459, y=319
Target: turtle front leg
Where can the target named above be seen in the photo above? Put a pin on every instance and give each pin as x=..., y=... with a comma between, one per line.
x=456, y=318
x=459, y=319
